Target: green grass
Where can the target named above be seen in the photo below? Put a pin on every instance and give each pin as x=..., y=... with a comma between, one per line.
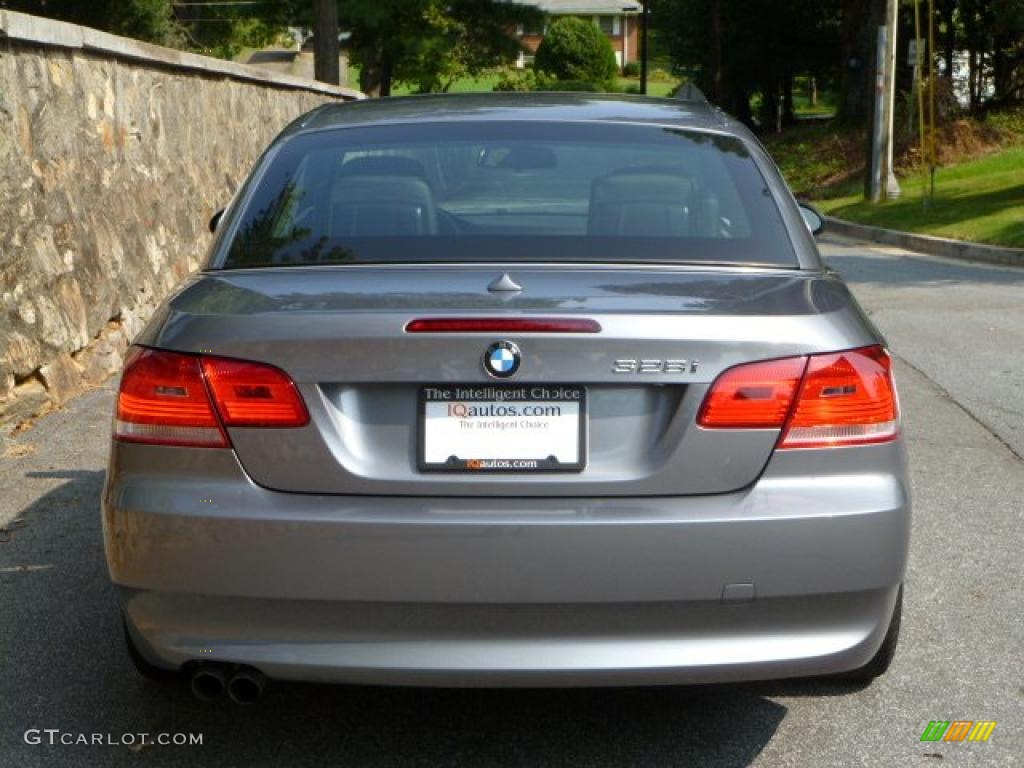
x=486, y=83
x=981, y=200
x=815, y=155
x=802, y=106
x=654, y=87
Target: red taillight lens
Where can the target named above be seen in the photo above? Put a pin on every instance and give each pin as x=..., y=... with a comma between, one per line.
x=753, y=396
x=846, y=398
x=253, y=394
x=842, y=398
x=163, y=399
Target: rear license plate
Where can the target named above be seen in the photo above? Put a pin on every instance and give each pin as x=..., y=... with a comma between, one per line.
x=488, y=428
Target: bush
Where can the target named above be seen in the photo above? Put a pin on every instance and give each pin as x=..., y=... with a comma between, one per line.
x=632, y=69
x=577, y=50
x=512, y=79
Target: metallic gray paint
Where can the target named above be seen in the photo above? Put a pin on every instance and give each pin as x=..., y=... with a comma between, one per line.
x=460, y=591
x=325, y=555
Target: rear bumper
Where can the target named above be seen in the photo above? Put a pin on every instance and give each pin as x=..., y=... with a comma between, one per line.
x=471, y=591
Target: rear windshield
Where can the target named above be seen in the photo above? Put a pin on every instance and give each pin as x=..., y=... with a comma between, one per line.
x=527, y=191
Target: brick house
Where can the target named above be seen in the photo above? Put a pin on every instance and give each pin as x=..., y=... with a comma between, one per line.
x=618, y=19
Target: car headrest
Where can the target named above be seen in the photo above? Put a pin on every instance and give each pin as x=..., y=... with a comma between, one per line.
x=384, y=165
x=381, y=206
x=641, y=201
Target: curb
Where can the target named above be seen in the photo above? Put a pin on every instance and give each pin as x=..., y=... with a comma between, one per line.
x=936, y=246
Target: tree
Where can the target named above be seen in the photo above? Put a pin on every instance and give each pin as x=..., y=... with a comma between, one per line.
x=736, y=49
x=427, y=43
x=467, y=37
x=149, y=20
x=574, y=49
x=430, y=43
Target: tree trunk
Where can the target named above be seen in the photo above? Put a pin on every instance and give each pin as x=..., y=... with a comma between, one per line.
x=859, y=34
x=1002, y=67
x=972, y=79
x=770, y=113
x=385, y=76
x=788, y=109
x=949, y=36
x=375, y=74
x=325, y=38
x=715, y=80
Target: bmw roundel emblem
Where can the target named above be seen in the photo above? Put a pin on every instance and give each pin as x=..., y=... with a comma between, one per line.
x=502, y=359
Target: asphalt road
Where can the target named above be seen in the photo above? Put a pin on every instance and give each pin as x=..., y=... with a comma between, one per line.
x=958, y=331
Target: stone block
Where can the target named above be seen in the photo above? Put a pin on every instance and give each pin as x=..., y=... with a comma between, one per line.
x=62, y=378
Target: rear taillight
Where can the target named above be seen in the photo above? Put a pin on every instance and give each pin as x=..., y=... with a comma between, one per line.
x=754, y=396
x=846, y=398
x=253, y=394
x=165, y=398
x=835, y=399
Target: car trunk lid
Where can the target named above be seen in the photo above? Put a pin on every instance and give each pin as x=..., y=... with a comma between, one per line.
x=342, y=334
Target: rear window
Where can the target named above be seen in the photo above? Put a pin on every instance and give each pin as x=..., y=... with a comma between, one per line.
x=527, y=191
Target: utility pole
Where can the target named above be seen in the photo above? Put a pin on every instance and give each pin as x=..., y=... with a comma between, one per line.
x=892, y=187
x=643, y=45
x=325, y=39
x=883, y=180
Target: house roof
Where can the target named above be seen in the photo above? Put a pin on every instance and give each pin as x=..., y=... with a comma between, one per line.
x=595, y=7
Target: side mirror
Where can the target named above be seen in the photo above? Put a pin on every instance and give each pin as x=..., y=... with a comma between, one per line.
x=812, y=218
x=215, y=219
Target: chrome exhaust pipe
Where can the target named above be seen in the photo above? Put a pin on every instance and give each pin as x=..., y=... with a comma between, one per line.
x=246, y=685
x=209, y=681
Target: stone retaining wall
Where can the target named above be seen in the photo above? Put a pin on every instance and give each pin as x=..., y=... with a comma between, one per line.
x=113, y=156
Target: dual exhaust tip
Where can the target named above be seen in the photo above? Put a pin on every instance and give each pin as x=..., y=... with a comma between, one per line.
x=243, y=685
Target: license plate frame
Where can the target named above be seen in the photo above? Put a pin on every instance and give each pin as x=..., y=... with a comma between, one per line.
x=505, y=395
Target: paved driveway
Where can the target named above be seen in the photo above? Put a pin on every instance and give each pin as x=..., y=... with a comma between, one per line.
x=958, y=331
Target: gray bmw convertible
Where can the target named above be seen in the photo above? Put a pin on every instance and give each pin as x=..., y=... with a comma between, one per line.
x=509, y=390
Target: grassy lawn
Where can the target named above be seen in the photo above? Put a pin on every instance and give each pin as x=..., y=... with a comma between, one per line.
x=486, y=83
x=817, y=156
x=981, y=200
x=654, y=87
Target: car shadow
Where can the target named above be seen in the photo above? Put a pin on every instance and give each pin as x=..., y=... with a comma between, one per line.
x=63, y=666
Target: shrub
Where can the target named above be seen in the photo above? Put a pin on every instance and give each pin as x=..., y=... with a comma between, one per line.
x=574, y=49
x=632, y=69
x=658, y=75
x=512, y=79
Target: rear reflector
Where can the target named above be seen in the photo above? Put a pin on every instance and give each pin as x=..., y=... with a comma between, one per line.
x=165, y=399
x=502, y=325
x=842, y=398
x=253, y=394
